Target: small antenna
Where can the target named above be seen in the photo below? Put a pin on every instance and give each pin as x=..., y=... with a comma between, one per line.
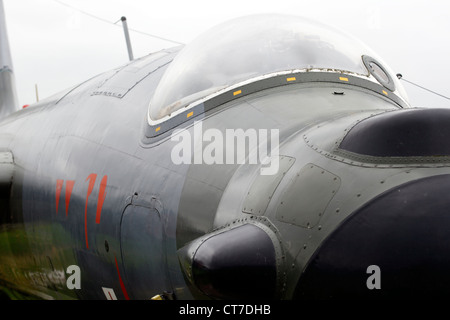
x=127, y=38
x=37, y=92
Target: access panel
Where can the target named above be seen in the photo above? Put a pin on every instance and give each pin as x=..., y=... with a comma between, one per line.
x=143, y=251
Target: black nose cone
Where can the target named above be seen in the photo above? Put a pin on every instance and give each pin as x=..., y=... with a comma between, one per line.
x=396, y=246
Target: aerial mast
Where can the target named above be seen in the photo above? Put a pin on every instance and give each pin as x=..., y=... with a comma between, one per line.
x=127, y=38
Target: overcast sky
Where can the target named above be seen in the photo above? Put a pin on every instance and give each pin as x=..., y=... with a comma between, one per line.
x=59, y=43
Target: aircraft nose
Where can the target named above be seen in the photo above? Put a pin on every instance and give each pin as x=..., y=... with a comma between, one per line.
x=395, y=246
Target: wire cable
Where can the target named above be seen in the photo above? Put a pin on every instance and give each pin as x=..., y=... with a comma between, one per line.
x=115, y=23
x=399, y=76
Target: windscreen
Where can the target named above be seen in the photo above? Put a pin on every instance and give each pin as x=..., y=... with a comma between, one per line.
x=250, y=47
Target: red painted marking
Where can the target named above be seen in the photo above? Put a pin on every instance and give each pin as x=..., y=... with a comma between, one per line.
x=69, y=188
x=110, y=296
x=122, y=285
x=59, y=186
x=101, y=198
x=92, y=177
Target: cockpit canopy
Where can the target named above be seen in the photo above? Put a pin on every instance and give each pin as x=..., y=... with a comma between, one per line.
x=256, y=46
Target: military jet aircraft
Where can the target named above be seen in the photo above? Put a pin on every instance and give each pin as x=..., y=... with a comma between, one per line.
x=273, y=157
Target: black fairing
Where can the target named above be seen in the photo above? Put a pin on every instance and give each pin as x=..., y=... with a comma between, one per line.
x=405, y=232
x=404, y=133
x=236, y=264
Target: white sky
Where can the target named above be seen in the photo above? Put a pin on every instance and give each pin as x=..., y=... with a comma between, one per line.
x=57, y=47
